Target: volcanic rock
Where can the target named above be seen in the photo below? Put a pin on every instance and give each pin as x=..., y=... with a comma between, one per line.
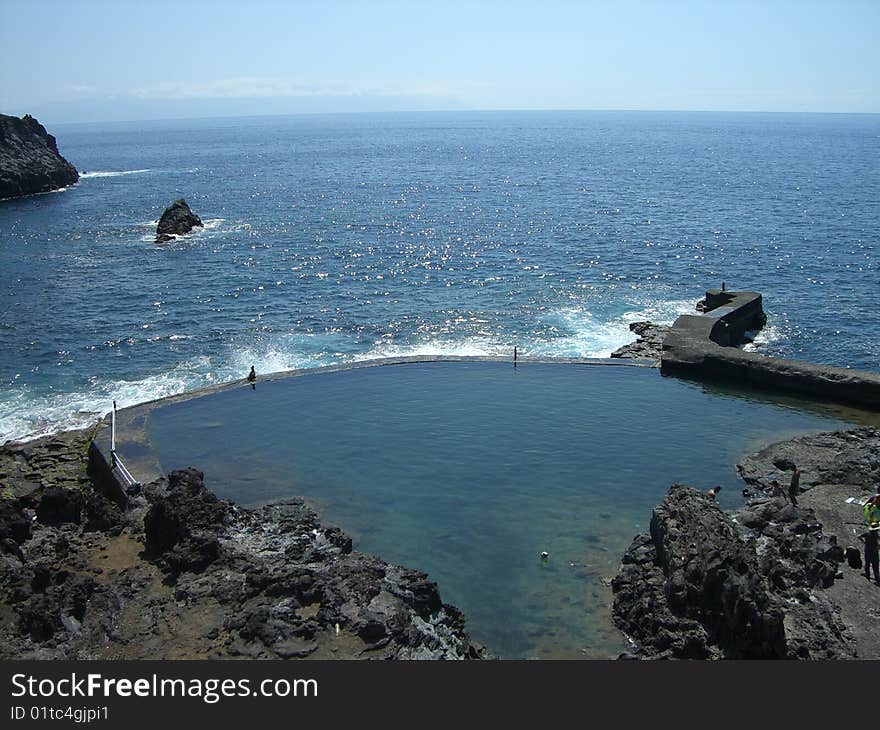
x=15, y=526
x=845, y=458
x=705, y=585
x=180, y=528
x=29, y=159
x=648, y=346
x=57, y=505
x=177, y=220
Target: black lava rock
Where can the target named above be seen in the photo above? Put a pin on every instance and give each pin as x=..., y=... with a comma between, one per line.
x=15, y=527
x=649, y=344
x=181, y=529
x=177, y=220
x=702, y=585
x=29, y=159
x=59, y=505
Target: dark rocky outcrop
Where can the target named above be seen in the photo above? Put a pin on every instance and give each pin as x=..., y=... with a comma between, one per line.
x=706, y=585
x=837, y=471
x=15, y=526
x=181, y=528
x=177, y=220
x=841, y=458
x=177, y=573
x=57, y=505
x=29, y=159
x=649, y=344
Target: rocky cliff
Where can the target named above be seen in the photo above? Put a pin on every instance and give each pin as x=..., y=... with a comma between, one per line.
x=29, y=159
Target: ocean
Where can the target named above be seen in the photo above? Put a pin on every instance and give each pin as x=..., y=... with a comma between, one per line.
x=339, y=238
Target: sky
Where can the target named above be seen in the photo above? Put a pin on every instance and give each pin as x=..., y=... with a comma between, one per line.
x=106, y=60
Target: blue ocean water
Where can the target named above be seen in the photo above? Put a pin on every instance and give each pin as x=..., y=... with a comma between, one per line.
x=337, y=238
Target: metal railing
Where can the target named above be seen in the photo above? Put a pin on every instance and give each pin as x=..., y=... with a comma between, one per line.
x=115, y=462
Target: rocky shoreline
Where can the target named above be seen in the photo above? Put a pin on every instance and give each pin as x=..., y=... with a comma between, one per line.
x=176, y=573
x=29, y=159
x=768, y=581
x=649, y=342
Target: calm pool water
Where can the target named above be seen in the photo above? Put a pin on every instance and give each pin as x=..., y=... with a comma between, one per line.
x=469, y=471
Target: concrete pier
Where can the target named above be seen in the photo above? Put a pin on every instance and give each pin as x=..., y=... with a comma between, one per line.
x=706, y=346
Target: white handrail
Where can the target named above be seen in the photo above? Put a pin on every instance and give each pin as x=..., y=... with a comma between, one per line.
x=115, y=461
x=126, y=474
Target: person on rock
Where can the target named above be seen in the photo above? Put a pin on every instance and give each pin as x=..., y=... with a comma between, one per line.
x=776, y=489
x=872, y=551
x=713, y=492
x=252, y=377
x=871, y=511
x=794, y=489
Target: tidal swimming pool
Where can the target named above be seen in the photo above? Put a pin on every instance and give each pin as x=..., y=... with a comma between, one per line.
x=469, y=470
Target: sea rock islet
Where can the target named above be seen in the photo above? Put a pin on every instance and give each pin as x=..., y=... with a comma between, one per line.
x=177, y=220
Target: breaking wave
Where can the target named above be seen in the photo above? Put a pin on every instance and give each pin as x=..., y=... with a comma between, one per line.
x=576, y=332
x=110, y=173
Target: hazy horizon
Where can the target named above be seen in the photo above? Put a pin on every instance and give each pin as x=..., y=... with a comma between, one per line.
x=102, y=61
x=414, y=112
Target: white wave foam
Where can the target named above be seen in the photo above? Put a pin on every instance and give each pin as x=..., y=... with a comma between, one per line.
x=209, y=225
x=273, y=360
x=589, y=336
x=768, y=335
x=595, y=336
x=467, y=347
x=25, y=415
x=662, y=312
x=110, y=173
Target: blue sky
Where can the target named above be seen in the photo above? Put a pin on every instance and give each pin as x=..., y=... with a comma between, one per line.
x=78, y=60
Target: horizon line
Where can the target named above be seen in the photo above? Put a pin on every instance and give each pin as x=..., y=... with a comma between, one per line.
x=562, y=110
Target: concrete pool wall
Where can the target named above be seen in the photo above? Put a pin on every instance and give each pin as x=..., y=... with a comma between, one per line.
x=703, y=346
